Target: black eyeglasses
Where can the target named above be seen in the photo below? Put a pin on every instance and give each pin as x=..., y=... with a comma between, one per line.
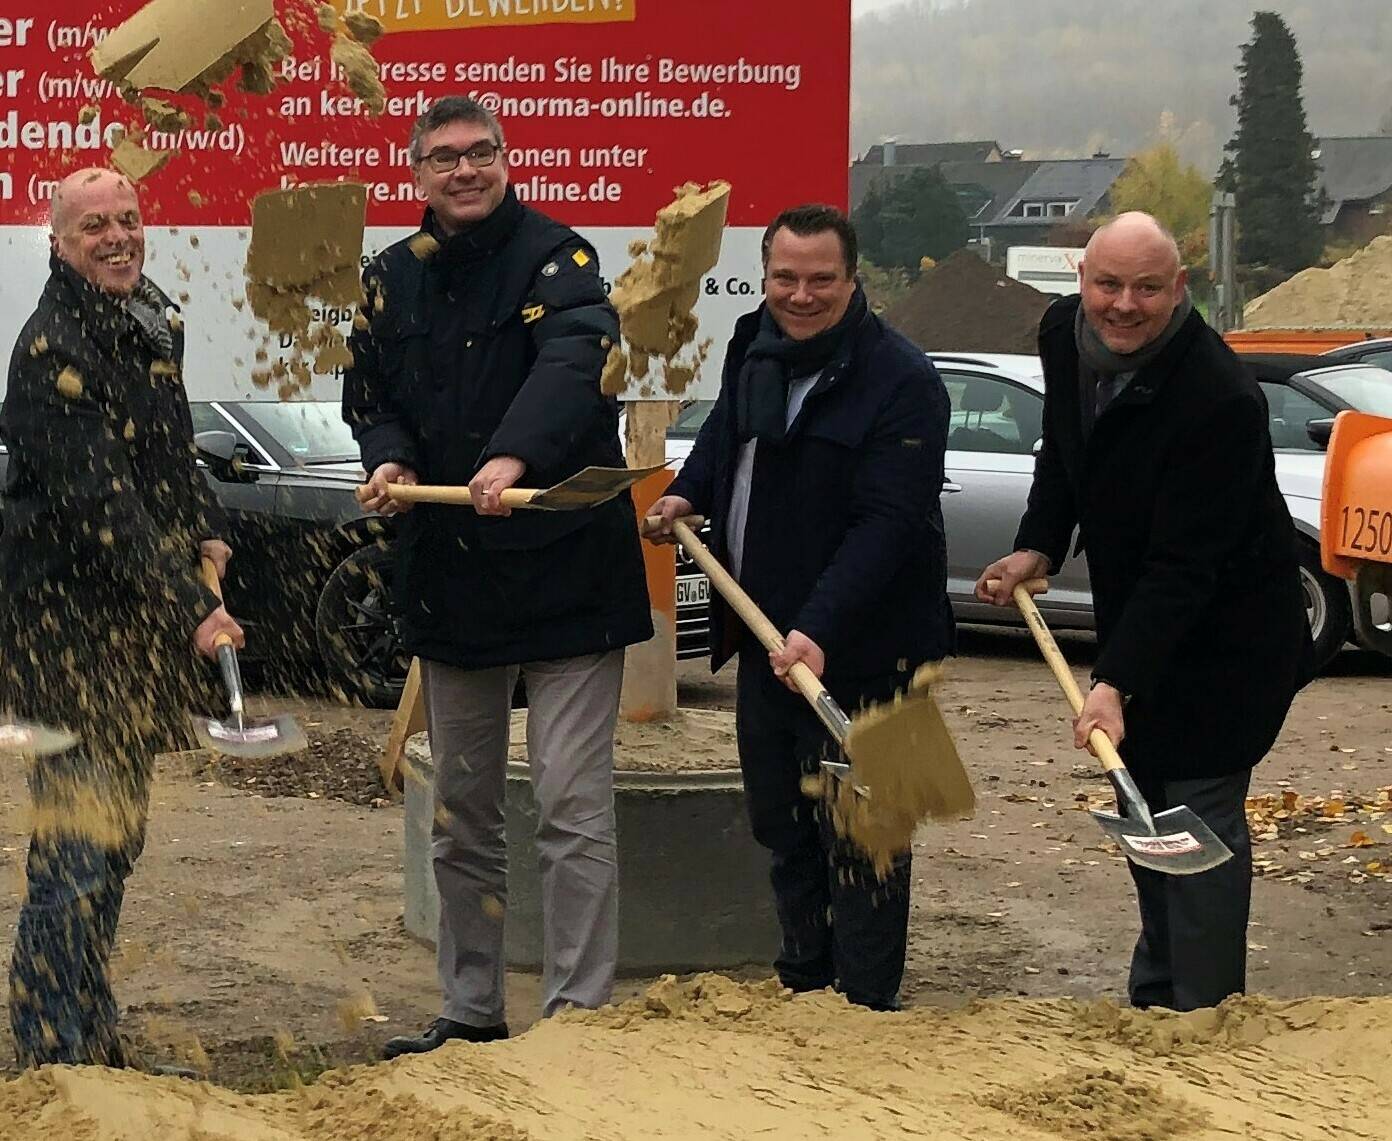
x=442, y=160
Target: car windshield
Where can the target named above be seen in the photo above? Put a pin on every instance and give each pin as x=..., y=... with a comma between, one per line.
x=690, y=419
x=1365, y=387
x=312, y=431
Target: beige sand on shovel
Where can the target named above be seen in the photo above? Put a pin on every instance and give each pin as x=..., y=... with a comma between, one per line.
x=724, y=1061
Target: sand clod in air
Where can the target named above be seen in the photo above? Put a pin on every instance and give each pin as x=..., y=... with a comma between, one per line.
x=306, y=245
x=656, y=295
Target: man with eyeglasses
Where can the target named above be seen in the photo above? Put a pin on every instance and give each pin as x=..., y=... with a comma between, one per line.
x=477, y=360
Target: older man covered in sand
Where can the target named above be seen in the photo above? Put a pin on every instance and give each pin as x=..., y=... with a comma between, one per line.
x=105, y=517
x=1157, y=452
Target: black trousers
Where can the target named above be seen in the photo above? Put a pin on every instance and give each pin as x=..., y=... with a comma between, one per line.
x=1192, y=951
x=842, y=925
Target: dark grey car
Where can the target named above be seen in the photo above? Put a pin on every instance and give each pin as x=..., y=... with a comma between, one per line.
x=310, y=574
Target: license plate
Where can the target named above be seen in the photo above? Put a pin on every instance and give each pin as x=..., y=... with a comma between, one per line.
x=693, y=591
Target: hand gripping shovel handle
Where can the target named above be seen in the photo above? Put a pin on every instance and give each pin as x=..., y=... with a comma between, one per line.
x=823, y=704
x=456, y=496
x=226, y=649
x=1112, y=764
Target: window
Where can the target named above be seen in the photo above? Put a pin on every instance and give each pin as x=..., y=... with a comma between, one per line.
x=991, y=415
x=1381, y=358
x=1288, y=412
x=1061, y=209
x=1033, y=210
x=207, y=418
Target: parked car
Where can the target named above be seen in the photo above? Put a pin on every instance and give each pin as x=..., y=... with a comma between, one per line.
x=1376, y=351
x=997, y=413
x=310, y=574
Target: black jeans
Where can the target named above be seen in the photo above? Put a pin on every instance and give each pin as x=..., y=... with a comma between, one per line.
x=842, y=925
x=1192, y=951
x=89, y=829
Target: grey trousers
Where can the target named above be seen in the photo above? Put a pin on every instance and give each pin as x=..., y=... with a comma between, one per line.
x=572, y=709
x=1192, y=951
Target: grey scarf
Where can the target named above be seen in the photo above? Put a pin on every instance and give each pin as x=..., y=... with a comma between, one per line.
x=1100, y=369
x=146, y=307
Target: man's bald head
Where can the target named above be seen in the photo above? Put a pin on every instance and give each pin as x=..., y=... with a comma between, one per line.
x=97, y=230
x=1132, y=281
x=76, y=188
x=1135, y=232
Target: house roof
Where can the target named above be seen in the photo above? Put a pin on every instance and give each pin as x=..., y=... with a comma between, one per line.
x=1085, y=181
x=927, y=154
x=1354, y=170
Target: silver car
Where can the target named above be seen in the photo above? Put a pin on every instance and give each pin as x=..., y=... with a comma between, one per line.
x=996, y=418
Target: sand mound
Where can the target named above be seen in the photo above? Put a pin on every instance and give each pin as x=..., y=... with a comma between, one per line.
x=1355, y=293
x=716, y=1059
x=965, y=305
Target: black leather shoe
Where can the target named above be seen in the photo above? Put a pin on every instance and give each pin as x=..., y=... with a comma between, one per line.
x=439, y=1032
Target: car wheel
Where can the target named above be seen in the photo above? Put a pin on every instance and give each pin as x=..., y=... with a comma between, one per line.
x=355, y=628
x=1326, y=606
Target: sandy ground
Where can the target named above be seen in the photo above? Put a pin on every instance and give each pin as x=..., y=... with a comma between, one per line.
x=267, y=931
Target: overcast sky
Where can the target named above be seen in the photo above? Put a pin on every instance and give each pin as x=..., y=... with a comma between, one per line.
x=1063, y=78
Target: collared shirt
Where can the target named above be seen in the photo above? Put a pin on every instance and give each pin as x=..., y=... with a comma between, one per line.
x=744, y=476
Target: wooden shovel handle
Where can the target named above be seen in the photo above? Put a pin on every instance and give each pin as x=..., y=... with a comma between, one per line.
x=767, y=633
x=213, y=583
x=1024, y=598
x=456, y=496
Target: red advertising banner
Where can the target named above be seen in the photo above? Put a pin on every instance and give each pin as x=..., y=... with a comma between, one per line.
x=607, y=105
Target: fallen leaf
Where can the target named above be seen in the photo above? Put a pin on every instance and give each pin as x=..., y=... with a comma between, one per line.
x=1360, y=840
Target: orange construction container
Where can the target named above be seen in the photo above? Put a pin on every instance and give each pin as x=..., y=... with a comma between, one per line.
x=1307, y=342
x=1356, y=519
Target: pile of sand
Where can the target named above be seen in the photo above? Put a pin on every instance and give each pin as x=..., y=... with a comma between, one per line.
x=716, y=1059
x=1355, y=293
x=965, y=305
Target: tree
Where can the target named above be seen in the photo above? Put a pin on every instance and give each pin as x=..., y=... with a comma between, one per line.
x=914, y=216
x=1158, y=183
x=1272, y=168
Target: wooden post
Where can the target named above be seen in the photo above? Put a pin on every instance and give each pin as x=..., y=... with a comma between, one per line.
x=650, y=669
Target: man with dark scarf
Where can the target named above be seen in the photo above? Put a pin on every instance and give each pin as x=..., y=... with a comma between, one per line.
x=102, y=608
x=477, y=360
x=820, y=468
x=1156, y=449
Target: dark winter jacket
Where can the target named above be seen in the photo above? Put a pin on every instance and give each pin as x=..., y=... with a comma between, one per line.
x=104, y=508
x=1191, y=550
x=494, y=346
x=844, y=536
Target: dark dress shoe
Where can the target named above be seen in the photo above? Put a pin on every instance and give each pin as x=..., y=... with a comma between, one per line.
x=439, y=1032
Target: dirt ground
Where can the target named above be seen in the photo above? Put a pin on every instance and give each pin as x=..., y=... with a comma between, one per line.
x=265, y=931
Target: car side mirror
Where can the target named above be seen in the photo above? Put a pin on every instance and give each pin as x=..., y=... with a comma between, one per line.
x=225, y=457
x=1319, y=431
x=1038, y=446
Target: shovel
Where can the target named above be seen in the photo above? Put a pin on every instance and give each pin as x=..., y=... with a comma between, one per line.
x=1175, y=841
x=901, y=752
x=240, y=736
x=26, y=739
x=588, y=487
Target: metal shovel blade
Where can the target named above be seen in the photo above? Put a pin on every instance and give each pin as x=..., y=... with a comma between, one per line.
x=904, y=754
x=590, y=487
x=1179, y=844
x=24, y=738
x=253, y=738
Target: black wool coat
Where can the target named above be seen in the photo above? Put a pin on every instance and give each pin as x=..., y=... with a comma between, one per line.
x=1190, y=548
x=844, y=537
x=104, y=508
x=495, y=346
